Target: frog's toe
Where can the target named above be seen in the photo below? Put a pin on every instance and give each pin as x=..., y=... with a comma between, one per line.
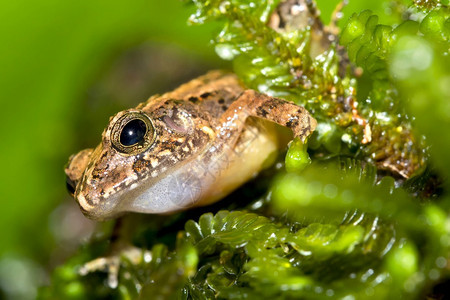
x=111, y=264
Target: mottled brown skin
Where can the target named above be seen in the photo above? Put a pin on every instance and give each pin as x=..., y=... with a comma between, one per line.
x=200, y=134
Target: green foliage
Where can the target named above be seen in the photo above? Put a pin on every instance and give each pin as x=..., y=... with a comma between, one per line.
x=263, y=57
x=297, y=157
x=262, y=258
x=369, y=44
x=429, y=104
x=343, y=224
x=301, y=65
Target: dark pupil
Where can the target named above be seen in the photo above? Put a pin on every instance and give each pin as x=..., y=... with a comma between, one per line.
x=133, y=132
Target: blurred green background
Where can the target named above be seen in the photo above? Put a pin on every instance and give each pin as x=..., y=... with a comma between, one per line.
x=65, y=67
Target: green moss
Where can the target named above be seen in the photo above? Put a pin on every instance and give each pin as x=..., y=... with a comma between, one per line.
x=297, y=158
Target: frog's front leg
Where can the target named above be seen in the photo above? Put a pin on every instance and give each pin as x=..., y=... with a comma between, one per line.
x=111, y=264
x=253, y=104
x=120, y=249
x=237, y=153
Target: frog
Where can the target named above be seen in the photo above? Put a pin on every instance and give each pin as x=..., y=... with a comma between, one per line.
x=186, y=148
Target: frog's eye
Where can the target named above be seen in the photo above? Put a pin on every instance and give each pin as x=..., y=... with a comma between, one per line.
x=132, y=133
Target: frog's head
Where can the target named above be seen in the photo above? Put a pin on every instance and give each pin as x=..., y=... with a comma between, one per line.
x=139, y=148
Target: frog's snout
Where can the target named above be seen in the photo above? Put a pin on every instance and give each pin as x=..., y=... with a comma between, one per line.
x=75, y=168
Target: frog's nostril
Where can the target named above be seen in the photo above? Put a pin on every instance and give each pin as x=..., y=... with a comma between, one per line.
x=70, y=185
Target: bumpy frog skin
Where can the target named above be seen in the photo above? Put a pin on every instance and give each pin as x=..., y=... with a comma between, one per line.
x=186, y=148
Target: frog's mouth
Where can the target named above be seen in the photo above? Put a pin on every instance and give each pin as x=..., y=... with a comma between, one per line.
x=99, y=180
x=79, y=179
x=76, y=170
